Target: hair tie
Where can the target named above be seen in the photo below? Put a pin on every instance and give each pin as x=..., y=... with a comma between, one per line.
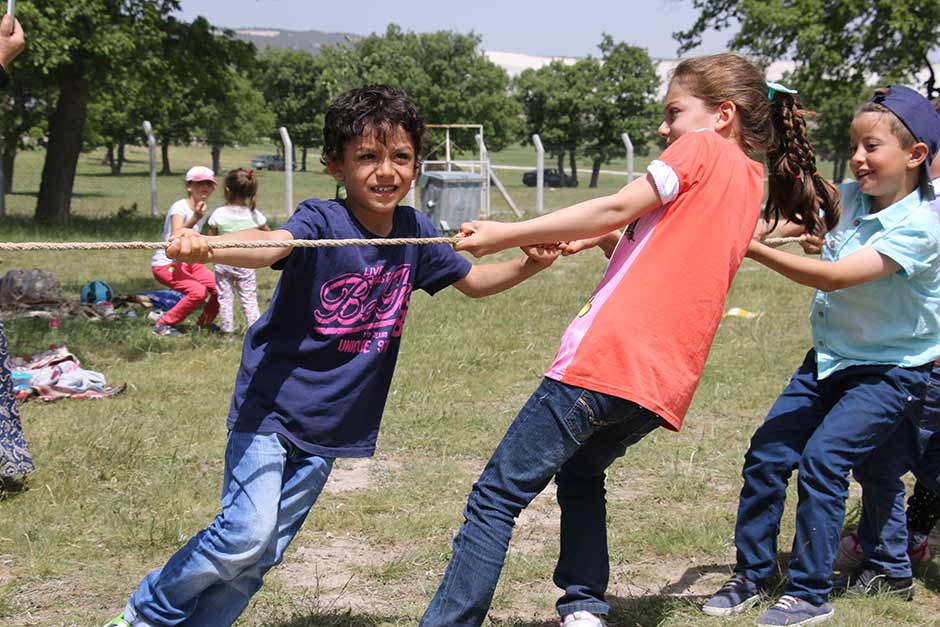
x=251, y=173
x=774, y=88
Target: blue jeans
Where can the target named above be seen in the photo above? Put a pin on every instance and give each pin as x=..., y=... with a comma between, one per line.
x=565, y=432
x=824, y=428
x=882, y=539
x=268, y=488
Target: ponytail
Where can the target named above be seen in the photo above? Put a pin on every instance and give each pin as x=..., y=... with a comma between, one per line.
x=797, y=192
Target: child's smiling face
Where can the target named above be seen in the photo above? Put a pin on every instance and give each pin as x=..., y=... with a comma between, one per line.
x=883, y=168
x=377, y=172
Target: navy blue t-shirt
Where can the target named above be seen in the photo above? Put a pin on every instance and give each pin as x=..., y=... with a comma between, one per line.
x=317, y=366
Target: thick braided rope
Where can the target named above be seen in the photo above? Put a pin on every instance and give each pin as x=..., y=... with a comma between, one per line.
x=290, y=243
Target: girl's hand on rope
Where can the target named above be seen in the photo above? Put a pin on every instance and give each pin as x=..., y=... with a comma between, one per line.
x=481, y=238
x=542, y=254
x=189, y=246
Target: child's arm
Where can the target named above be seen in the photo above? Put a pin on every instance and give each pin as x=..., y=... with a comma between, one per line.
x=192, y=247
x=177, y=223
x=859, y=267
x=492, y=278
x=588, y=219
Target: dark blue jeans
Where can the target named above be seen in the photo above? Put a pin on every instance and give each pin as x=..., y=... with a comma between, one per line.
x=824, y=428
x=565, y=432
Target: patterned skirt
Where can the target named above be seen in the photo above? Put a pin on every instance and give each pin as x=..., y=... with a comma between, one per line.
x=14, y=456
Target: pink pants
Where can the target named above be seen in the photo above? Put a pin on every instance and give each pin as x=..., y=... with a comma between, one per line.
x=197, y=284
x=229, y=279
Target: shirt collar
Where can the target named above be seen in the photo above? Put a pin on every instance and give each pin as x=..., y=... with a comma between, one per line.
x=893, y=214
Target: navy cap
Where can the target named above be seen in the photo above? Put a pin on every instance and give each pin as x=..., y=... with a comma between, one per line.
x=920, y=118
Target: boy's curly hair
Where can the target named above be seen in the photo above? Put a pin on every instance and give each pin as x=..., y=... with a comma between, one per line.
x=376, y=107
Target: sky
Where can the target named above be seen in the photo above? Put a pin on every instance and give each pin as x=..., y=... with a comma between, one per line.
x=544, y=28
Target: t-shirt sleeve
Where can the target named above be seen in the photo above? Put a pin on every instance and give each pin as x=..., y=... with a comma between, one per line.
x=259, y=218
x=180, y=208
x=214, y=219
x=439, y=265
x=682, y=165
x=306, y=223
x=911, y=246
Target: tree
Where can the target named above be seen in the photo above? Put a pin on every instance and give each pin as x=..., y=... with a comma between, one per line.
x=237, y=115
x=25, y=107
x=293, y=86
x=75, y=45
x=838, y=47
x=444, y=73
x=623, y=99
x=555, y=101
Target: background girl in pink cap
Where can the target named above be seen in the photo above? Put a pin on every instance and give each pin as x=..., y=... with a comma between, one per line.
x=193, y=280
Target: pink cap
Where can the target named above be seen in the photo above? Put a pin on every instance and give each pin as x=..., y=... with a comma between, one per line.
x=200, y=173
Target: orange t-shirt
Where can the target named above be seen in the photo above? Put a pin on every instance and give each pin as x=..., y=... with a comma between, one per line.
x=645, y=334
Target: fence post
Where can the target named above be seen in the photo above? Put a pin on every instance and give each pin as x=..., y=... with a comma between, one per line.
x=152, y=152
x=629, y=145
x=288, y=171
x=539, y=174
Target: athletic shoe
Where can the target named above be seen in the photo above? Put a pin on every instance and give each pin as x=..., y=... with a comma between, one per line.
x=118, y=621
x=736, y=595
x=918, y=549
x=155, y=315
x=871, y=581
x=793, y=612
x=582, y=619
x=167, y=330
x=850, y=555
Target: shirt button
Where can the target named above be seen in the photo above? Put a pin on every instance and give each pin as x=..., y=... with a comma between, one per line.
x=857, y=222
x=910, y=398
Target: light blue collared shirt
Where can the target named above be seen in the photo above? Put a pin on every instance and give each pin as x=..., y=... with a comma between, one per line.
x=896, y=319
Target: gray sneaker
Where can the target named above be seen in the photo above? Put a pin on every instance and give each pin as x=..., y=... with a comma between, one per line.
x=167, y=330
x=790, y=611
x=735, y=596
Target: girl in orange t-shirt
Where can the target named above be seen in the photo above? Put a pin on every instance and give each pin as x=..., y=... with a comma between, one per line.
x=632, y=358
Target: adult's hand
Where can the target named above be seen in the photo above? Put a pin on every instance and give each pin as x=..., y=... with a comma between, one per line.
x=12, y=40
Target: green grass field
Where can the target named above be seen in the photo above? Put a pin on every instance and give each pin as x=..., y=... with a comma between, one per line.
x=122, y=483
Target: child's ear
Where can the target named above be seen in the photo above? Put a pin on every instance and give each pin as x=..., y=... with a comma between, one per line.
x=336, y=170
x=726, y=111
x=918, y=155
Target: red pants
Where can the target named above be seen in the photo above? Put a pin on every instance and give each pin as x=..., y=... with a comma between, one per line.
x=197, y=284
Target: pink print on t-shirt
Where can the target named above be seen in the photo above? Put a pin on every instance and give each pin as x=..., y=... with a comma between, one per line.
x=372, y=300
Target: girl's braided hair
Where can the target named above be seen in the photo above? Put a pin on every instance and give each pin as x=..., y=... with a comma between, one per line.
x=772, y=126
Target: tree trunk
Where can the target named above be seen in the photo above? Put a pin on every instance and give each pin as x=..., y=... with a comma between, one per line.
x=561, y=163
x=596, y=171
x=165, y=155
x=216, y=158
x=109, y=157
x=113, y=161
x=65, y=145
x=303, y=157
x=574, y=166
x=9, y=160
x=121, y=157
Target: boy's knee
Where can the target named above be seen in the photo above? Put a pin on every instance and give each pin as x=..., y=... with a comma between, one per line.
x=241, y=544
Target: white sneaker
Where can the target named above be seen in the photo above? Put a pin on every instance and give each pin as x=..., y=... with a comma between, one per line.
x=582, y=619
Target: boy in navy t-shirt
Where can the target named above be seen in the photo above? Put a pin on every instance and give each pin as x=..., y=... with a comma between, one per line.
x=316, y=367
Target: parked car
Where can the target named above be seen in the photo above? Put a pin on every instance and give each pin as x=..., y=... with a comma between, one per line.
x=269, y=162
x=552, y=179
